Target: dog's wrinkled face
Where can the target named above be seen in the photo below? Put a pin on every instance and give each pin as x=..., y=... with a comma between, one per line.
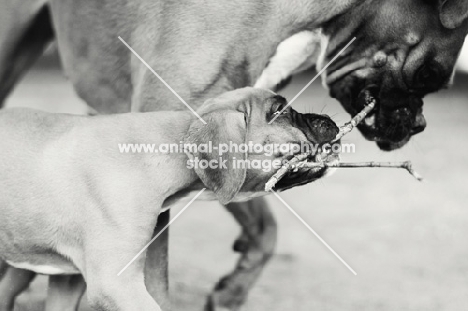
x=291, y=129
x=404, y=50
x=242, y=117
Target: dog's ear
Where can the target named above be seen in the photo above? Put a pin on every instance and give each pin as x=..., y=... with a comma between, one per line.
x=453, y=13
x=223, y=127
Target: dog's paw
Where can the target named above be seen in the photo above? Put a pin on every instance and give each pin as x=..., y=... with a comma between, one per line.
x=228, y=295
x=214, y=304
x=241, y=245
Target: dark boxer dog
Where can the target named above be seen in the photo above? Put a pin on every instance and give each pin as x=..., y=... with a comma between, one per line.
x=404, y=50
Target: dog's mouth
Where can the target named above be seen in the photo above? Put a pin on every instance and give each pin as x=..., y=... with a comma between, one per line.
x=319, y=130
x=396, y=118
x=303, y=176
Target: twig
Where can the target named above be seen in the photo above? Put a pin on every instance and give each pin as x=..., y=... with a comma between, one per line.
x=291, y=165
x=349, y=126
x=407, y=165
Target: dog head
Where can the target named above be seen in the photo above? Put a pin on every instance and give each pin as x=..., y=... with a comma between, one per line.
x=241, y=118
x=404, y=50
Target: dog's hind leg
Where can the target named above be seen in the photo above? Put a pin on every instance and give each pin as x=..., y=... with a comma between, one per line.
x=65, y=292
x=256, y=245
x=13, y=282
x=25, y=31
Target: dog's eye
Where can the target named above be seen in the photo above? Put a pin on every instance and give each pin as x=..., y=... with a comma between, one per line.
x=279, y=112
x=277, y=108
x=278, y=105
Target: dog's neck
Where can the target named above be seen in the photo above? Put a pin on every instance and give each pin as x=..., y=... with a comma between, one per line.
x=166, y=131
x=181, y=182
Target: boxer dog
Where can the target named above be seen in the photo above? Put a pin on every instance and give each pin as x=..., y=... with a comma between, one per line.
x=404, y=49
x=72, y=204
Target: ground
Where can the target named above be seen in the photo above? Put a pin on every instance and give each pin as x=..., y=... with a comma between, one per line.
x=406, y=240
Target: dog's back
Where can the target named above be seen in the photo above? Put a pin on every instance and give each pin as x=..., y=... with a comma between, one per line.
x=25, y=135
x=23, y=130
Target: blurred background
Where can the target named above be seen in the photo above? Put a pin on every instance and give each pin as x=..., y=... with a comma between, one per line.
x=407, y=241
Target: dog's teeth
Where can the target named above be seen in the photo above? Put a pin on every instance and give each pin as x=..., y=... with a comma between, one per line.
x=370, y=121
x=296, y=170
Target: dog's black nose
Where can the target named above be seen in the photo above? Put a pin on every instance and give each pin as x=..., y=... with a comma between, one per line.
x=419, y=125
x=327, y=129
x=317, y=128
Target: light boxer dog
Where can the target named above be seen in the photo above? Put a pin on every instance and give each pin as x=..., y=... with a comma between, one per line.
x=72, y=203
x=404, y=49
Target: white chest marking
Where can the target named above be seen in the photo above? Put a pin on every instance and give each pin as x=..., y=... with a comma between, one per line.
x=41, y=269
x=295, y=54
x=321, y=59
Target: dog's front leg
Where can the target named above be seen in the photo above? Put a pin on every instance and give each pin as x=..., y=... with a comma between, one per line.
x=125, y=294
x=109, y=292
x=65, y=292
x=256, y=245
x=113, y=239
x=13, y=282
